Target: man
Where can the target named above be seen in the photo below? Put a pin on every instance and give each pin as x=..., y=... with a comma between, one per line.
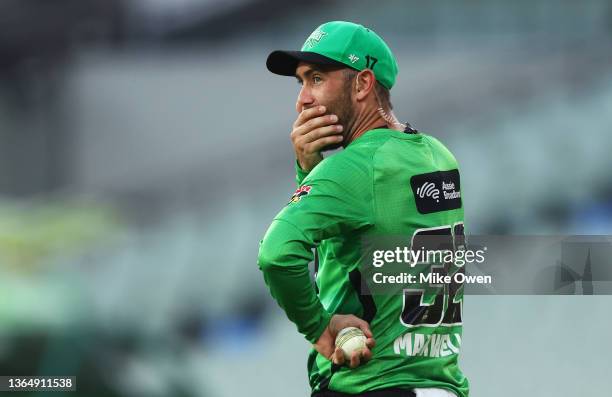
x=386, y=181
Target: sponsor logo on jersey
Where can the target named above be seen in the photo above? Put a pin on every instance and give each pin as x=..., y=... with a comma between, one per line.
x=299, y=193
x=437, y=191
x=428, y=189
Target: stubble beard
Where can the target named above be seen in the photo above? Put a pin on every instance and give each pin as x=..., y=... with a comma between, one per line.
x=342, y=106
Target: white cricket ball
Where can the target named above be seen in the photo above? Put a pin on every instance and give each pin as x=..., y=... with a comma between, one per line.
x=350, y=339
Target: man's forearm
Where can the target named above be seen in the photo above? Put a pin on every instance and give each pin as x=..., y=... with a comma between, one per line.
x=283, y=259
x=292, y=289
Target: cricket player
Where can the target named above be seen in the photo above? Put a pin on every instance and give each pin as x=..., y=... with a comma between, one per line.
x=389, y=179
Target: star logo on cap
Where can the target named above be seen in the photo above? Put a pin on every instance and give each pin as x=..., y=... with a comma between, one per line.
x=315, y=37
x=353, y=58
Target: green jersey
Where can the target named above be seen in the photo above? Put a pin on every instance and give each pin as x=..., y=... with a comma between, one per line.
x=386, y=182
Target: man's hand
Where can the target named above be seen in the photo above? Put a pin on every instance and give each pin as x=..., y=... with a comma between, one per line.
x=313, y=130
x=326, y=345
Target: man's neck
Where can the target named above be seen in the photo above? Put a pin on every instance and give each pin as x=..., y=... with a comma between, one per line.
x=364, y=123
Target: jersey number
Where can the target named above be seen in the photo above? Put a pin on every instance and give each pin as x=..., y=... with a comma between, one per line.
x=417, y=310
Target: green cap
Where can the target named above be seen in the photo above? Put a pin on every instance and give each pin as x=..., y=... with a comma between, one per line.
x=340, y=43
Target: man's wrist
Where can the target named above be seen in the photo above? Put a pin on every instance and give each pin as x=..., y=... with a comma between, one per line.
x=323, y=323
x=300, y=173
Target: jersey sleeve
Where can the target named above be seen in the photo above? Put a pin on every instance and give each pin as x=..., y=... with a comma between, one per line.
x=324, y=206
x=300, y=174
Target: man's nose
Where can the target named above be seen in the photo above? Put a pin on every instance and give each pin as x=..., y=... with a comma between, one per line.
x=305, y=99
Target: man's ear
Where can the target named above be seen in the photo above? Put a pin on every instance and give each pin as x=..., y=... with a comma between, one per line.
x=364, y=84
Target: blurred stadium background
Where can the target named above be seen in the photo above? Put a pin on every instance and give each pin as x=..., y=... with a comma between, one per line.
x=144, y=150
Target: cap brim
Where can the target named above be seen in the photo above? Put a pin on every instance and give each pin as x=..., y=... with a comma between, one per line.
x=285, y=62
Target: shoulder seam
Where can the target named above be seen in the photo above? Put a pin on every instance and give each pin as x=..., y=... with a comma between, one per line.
x=373, y=205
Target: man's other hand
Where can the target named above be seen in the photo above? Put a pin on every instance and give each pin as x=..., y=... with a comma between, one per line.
x=326, y=345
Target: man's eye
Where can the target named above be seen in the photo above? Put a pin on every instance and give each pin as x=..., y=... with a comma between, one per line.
x=316, y=79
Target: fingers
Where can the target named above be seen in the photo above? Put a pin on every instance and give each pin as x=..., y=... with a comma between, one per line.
x=316, y=140
x=338, y=357
x=364, y=327
x=366, y=355
x=316, y=146
x=340, y=321
x=354, y=363
x=322, y=132
x=357, y=358
x=307, y=114
x=360, y=357
x=313, y=124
